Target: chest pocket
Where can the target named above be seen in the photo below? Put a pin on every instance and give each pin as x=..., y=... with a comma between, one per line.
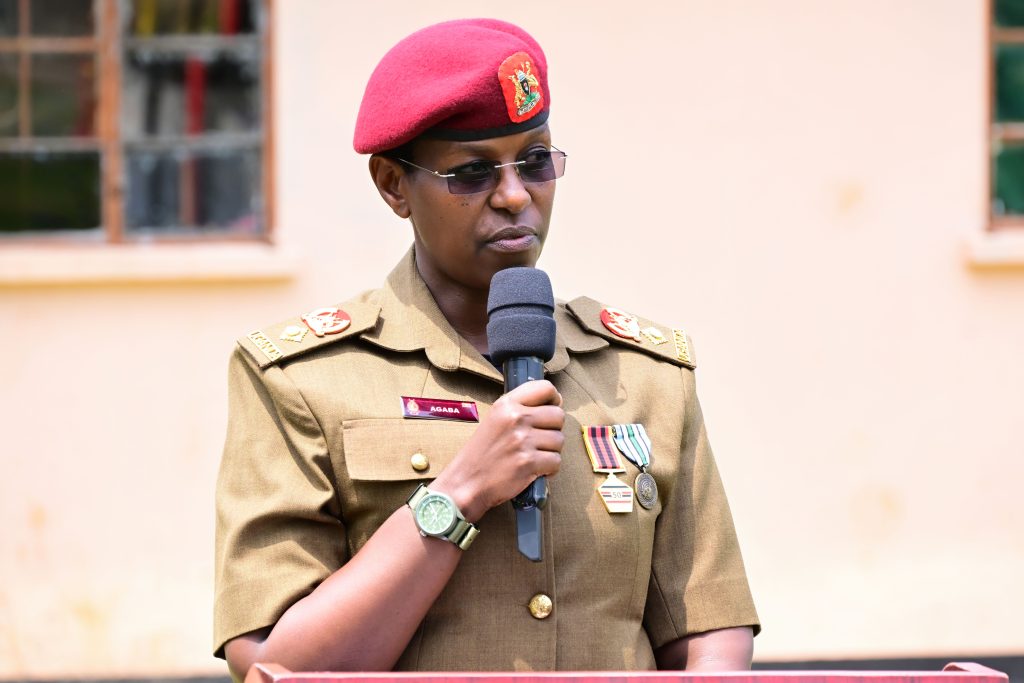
x=393, y=449
x=378, y=475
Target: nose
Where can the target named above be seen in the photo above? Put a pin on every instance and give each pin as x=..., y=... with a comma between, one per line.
x=511, y=193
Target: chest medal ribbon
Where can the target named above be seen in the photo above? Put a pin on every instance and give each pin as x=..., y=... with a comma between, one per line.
x=634, y=443
x=616, y=494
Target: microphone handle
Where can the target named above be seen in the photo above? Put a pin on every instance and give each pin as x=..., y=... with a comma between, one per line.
x=529, y=503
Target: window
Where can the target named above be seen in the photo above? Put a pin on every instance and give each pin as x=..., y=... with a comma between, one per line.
x=134, y=120
x=1007, y=114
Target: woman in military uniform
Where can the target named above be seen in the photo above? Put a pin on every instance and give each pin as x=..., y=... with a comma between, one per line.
x=353, y=534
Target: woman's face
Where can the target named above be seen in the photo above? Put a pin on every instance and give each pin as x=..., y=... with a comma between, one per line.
x=466, y=238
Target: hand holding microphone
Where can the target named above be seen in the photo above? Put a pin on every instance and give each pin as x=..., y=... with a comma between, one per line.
x=520, y=440
x=521, y=336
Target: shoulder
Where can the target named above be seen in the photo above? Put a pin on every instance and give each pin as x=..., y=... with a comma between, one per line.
x=624, y=329
x=316, y=328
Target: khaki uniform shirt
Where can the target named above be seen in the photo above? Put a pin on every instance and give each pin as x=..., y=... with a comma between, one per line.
x=318, y=457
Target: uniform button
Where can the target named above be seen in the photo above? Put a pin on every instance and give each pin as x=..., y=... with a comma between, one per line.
x=419, y=462
x=540, y=606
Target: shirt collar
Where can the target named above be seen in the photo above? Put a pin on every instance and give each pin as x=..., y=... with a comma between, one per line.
x=410, y=320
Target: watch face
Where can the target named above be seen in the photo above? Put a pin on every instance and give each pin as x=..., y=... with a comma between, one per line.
x=435, y=514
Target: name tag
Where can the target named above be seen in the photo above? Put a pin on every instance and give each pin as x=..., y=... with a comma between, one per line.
x=419, y=408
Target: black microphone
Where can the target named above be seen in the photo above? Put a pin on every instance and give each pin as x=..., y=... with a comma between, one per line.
x=521, y=336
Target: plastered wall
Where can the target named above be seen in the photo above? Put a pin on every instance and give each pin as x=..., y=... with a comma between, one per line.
x=793, y=182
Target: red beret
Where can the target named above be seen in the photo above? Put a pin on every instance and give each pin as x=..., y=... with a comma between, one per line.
x=468, y=79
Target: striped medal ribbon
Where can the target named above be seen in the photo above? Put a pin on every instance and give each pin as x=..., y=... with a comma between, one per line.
x=633, y=442
x=615, y=494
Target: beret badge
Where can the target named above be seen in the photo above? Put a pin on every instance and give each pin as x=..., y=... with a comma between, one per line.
x=523, y=94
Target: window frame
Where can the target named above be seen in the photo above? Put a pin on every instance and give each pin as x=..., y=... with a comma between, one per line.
x=107, y=44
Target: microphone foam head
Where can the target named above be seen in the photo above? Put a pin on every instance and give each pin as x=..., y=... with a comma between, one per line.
x=520, y=310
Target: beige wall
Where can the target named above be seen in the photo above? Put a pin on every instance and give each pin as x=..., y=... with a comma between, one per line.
x=806, y=177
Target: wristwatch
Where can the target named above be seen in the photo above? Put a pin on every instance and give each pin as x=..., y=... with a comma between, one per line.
x=437, y=515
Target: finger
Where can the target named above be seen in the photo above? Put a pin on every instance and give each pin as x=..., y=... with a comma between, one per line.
x=548, y=463
x=548, y=440
x=537, y=392
x=547, y=417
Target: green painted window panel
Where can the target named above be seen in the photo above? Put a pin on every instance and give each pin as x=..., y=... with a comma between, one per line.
x=63, y=95
x=1009, y=77
x=8, y=18
x=56, y=191
x=63, y=18
x=1009, y=13
x=8, y=95
x=1008, y=188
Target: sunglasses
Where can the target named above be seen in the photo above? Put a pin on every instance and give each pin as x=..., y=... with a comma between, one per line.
x=539, y=166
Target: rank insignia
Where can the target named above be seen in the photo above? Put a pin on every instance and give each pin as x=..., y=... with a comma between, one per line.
x=324, y=321
x=268, y=347
x=293, y=333
x=682, y=347
x=621, y=324
x=654, y=334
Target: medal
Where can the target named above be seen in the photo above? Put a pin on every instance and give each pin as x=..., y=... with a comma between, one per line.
x=633, y=442
x=615, y=494
x=646, y=490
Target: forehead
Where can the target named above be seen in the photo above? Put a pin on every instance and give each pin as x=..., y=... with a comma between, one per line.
x=429, y=148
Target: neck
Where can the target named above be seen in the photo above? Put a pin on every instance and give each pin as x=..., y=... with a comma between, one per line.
x=465, y=308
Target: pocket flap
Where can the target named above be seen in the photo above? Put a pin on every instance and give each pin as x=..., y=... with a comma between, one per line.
x=382, y=449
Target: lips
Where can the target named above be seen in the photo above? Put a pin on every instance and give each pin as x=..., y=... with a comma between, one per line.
x=512, y=239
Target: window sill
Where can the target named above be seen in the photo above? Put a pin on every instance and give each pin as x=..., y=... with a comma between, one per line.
x=998, y=249
x=117, y=264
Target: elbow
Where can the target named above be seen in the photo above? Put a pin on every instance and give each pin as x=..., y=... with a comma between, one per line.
x=244, y=651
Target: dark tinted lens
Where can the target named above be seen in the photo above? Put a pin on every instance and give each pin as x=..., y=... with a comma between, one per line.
x=472, y=178
x=537, y=168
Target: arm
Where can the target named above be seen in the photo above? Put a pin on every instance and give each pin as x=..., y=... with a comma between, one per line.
x=364, y=614
x=699, y=605
x=727, y=649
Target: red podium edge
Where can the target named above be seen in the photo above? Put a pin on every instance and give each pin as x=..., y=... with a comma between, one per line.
x=955, y=672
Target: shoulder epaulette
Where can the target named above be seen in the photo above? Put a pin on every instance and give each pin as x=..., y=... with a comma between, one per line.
x=320, y=327
x=638, y=333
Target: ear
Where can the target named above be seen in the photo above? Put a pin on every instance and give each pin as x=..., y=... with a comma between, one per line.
x=387, y=175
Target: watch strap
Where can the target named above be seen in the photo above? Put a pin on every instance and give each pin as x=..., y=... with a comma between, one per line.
x=462, y=534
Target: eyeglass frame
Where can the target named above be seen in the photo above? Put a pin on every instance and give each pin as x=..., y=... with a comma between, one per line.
x=495, y=167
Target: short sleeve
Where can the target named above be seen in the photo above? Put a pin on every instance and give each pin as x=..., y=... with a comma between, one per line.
x=698, y=582
x=279, y=533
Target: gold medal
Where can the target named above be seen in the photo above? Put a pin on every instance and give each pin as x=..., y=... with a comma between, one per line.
x=616, y=494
